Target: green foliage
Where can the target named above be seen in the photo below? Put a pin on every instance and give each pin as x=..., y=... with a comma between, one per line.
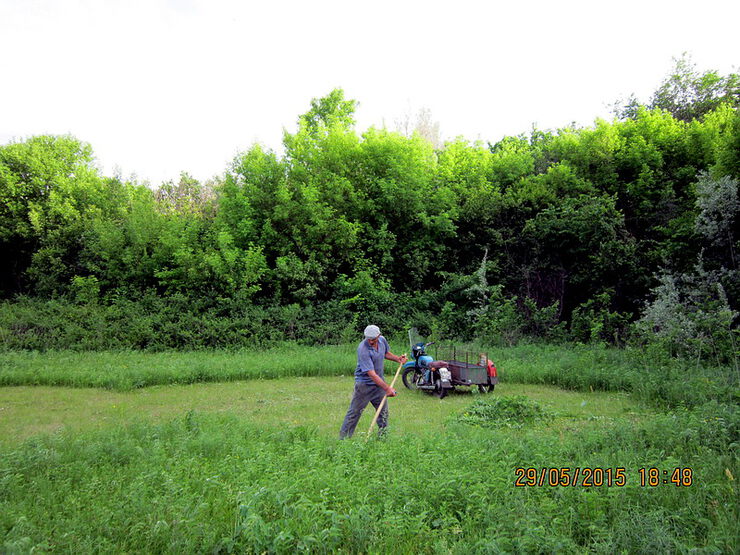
x=239, y=270
x=594, y=322
x=378, y=224
x=499, y=321
x=691, y=316
x=187, y=197
x=717, y=206
x=218, y=483
x=484, y=312
x=580, y=243
x=687, y=94
x=127, y=249
x=157, y=323
x=46, y=181
x=48, y=189
x=329, y=111
x=86, y=290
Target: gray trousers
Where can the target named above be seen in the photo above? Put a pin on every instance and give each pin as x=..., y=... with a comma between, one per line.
x=364, y=394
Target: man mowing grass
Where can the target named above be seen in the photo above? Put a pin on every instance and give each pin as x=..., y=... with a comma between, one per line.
x=370, y=387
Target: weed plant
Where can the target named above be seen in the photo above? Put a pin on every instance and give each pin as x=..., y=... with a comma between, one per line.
x=206, y=483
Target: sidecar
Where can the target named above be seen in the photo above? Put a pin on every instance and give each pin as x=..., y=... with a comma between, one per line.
x=469, y=368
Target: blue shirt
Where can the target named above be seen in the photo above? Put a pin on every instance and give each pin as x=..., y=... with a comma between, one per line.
x=370, y=359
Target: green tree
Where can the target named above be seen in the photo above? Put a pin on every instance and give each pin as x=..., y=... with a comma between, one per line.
x=124, y=250
x=577, y=248
x=688, y=94
x=465, y=171
x=49, y=187
x=188, y=197
x=328, y=112
x=406, y=217
x=689, y=314
x=300, y=210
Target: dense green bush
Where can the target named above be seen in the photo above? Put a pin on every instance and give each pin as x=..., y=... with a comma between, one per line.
x=156, y=323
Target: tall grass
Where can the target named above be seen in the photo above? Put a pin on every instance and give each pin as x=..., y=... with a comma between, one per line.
x=222, y=485
x=127, y=370
x=649, y=377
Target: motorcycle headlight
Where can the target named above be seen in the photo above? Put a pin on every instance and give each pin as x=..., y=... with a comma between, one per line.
x=444, y=373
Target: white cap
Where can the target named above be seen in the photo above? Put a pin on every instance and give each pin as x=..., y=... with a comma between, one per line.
x=371, y=332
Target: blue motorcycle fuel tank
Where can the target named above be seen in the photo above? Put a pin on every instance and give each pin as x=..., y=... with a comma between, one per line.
x=425, y=360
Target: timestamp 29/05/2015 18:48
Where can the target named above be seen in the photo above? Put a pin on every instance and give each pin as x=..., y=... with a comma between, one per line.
x=598, y=477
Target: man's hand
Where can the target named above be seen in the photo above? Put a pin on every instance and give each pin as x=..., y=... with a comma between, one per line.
x=402, y=359
x=390, y=392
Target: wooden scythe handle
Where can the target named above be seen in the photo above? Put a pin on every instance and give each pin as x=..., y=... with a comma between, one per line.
x=382, y=403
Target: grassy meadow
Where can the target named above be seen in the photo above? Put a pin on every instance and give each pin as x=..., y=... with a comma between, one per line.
x=201, y=452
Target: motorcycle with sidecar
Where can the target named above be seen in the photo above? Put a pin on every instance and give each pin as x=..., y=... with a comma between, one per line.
x=452, y=368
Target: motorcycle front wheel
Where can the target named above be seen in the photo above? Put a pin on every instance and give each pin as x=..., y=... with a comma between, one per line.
x=411, y=378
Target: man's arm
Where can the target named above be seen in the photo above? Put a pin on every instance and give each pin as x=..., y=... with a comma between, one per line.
x=381, y=384
x=400, y=359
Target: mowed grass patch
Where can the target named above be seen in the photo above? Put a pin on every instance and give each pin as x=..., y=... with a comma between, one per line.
x=316, y=402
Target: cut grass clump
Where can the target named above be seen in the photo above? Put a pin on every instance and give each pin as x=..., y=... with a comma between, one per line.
x=511, y=412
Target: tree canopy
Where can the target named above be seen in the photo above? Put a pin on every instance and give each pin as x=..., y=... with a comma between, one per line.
x=557, y=218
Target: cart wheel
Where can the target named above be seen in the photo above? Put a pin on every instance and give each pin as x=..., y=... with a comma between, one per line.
x=486, y=388
x=411, y=378
x=439, y=391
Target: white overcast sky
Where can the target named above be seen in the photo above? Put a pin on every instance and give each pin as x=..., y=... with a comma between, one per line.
x=163, y=86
